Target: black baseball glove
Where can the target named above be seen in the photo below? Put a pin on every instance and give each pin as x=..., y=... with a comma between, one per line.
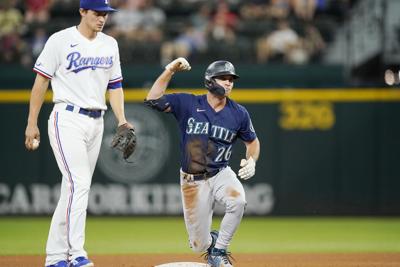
x=124, y=140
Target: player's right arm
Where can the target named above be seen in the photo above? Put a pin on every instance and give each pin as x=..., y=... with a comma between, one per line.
x=35, y=104
x=161, y=84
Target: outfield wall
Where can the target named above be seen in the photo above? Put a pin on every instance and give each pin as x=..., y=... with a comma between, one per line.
x=14, y=76
x=323, y=152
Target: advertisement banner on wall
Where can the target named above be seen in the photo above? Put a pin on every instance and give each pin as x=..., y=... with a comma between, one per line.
x=323, y=152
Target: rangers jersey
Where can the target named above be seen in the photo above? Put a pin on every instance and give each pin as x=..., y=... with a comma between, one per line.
x=80, y=69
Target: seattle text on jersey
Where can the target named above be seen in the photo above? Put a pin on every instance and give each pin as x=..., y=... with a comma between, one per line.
x=216, y=132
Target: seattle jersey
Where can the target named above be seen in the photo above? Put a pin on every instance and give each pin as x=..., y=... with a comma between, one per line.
x=80, y=69
x=207, y=136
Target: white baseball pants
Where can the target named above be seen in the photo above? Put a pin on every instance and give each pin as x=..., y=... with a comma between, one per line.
x=75, y=140
x=198, y=198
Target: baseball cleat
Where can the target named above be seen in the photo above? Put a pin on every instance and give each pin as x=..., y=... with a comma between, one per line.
x=81, y=262
x=219, y=258
x=59, y=264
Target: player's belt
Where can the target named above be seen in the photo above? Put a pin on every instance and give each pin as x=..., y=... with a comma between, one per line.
x=198, y=177
x=92, y=113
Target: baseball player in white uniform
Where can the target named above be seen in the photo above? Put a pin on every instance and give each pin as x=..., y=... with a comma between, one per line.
x=82, y=64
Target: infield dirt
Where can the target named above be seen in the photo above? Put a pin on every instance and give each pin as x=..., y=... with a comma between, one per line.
x=241, y=260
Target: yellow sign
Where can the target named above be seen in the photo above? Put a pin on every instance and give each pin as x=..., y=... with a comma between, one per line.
x=308, y=115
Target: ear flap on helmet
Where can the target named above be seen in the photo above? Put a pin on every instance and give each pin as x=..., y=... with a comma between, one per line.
x=214, y=87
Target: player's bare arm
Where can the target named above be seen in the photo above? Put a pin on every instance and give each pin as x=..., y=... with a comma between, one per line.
x=116, y=97
x=125, y=137
x=248, y=165
x=161, y=84
x=253, y=149
x=35, y=104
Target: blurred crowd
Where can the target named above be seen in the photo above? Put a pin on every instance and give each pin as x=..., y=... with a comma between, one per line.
x=156, y=31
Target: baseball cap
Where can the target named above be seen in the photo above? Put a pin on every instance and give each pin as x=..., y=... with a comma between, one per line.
x=97, y=5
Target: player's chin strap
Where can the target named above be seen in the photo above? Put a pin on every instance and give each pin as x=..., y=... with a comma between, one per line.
x=214, y=87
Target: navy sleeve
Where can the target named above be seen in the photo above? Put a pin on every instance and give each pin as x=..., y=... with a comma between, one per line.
x=178, y=103
x=246, y=132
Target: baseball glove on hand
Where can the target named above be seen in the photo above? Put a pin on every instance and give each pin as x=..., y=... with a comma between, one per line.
x=178, y=64
x=124, y=140
x=248, y=168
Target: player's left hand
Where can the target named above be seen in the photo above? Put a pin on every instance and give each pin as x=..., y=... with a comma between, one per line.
x=125, y=140
x=248, y=168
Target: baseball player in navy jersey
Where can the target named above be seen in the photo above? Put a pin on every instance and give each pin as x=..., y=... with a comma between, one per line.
x=82, y=63
x=209, y=125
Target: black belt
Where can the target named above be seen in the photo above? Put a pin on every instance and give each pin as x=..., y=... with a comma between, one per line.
x=199, y=176
x=92, y=113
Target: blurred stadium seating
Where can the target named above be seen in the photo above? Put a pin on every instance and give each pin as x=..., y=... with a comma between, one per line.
x=326, y=32
x=63, y=13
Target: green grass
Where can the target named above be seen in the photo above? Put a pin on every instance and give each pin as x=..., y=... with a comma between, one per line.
x=114, y=235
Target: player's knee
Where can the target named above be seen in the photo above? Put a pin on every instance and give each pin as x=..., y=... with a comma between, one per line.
x=237, y=204
x=81, y=186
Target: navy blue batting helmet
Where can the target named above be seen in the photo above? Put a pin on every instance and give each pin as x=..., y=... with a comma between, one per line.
x=216, y=69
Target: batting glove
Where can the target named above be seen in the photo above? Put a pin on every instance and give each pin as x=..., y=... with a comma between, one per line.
x=178, y=64
x=248, y=168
